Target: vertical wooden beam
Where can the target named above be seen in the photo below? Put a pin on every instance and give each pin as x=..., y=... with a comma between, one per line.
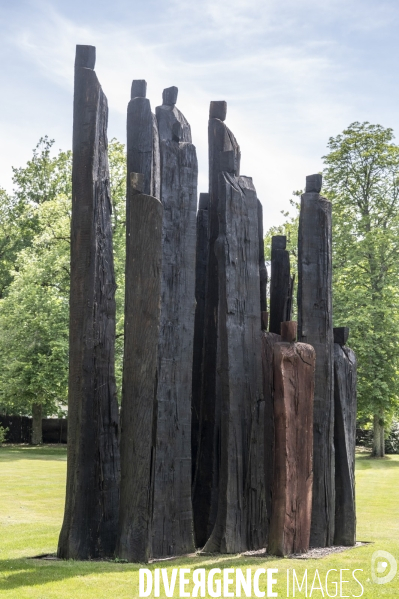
x=93, y=469
x=138, y=412
x=172, y=512
x=345, y=378
x=262, y=264
x=241, y=522
x=315, y=328
x=268, y=342
x=142, y=145
x=279, y=283
x=293, y=369
x=206, y=480
x=200, y=284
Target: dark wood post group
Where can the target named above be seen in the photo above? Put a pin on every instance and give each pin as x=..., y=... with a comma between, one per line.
x=227, y=432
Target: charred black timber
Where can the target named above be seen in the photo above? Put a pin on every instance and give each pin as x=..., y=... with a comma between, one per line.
x=262, y=264
x=241, y=522
x=268, y=342
x=200, y=282
x=93, y=467
x=139, y=388
x=280, y=284
x=315, y=328
x=172, y=526
x=142, y=142
x=206, y=478
x=293, y=371
x=344, y=439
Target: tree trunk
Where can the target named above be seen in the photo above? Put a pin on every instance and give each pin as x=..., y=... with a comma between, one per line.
x=93, y=469
x=138, y=413
x=37, y=434
x=241, y=522
x=172, y=525
x=293, y=369
x=378, y=436
x=206, y=479
x=315, y=328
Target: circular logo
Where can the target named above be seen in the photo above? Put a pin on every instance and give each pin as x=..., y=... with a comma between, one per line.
x=383, y=567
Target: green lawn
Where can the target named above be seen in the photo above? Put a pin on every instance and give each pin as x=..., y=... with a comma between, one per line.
x=32, y=483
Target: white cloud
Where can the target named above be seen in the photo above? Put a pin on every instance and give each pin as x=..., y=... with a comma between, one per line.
x=289, y=78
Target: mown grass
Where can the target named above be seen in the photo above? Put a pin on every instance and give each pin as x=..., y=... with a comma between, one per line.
x=32, y=487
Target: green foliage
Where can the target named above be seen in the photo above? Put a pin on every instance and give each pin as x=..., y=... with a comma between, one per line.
x=290, y=229
x=361, y=178
x=34, y=311
x=3, y=434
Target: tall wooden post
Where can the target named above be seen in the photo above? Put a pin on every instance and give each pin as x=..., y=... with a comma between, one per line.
x=262, y=264
x=222, y=146
x=93, y=469
x=139, y=410
x=280, y=283
x=200, y=283
x=241, y=522
x=315, y=328
x=142, y=142
x=172, y=511
x=293, y=369
x=268, y=342
x=344, y=438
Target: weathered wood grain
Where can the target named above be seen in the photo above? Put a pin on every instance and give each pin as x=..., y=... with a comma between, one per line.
x=93, y=468
x=268, y=342
x=293, y=370
x=289, y=331
x=262, y=264
x=139, y=389
x=142, y=146
x=206, y=479
x=345, y=379
x=241, y=522
x=315, y=328
x=280, y=282
x=200, y=283
x=172, y=511
x=172, y=124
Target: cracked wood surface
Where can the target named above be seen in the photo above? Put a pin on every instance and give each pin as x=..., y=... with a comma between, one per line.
x=315, y=328
x=293, y=370
x=241, y=522
x=93, y=468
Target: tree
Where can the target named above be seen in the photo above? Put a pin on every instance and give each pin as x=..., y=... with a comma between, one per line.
x=361, y=178
x=34, y=281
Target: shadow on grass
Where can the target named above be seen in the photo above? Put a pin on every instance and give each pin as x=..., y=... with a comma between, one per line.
x=368, y=461
x=30, y=572
x=10, y=453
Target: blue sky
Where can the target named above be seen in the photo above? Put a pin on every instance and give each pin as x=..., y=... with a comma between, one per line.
x=293, y=72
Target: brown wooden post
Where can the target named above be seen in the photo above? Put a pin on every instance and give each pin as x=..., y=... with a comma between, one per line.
x=172, y=506
x=344, y=438
x=138, y=412
x=241, y=522
x=93, y=469
x=206, y=479
x=293, y=369
x=315, y=328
